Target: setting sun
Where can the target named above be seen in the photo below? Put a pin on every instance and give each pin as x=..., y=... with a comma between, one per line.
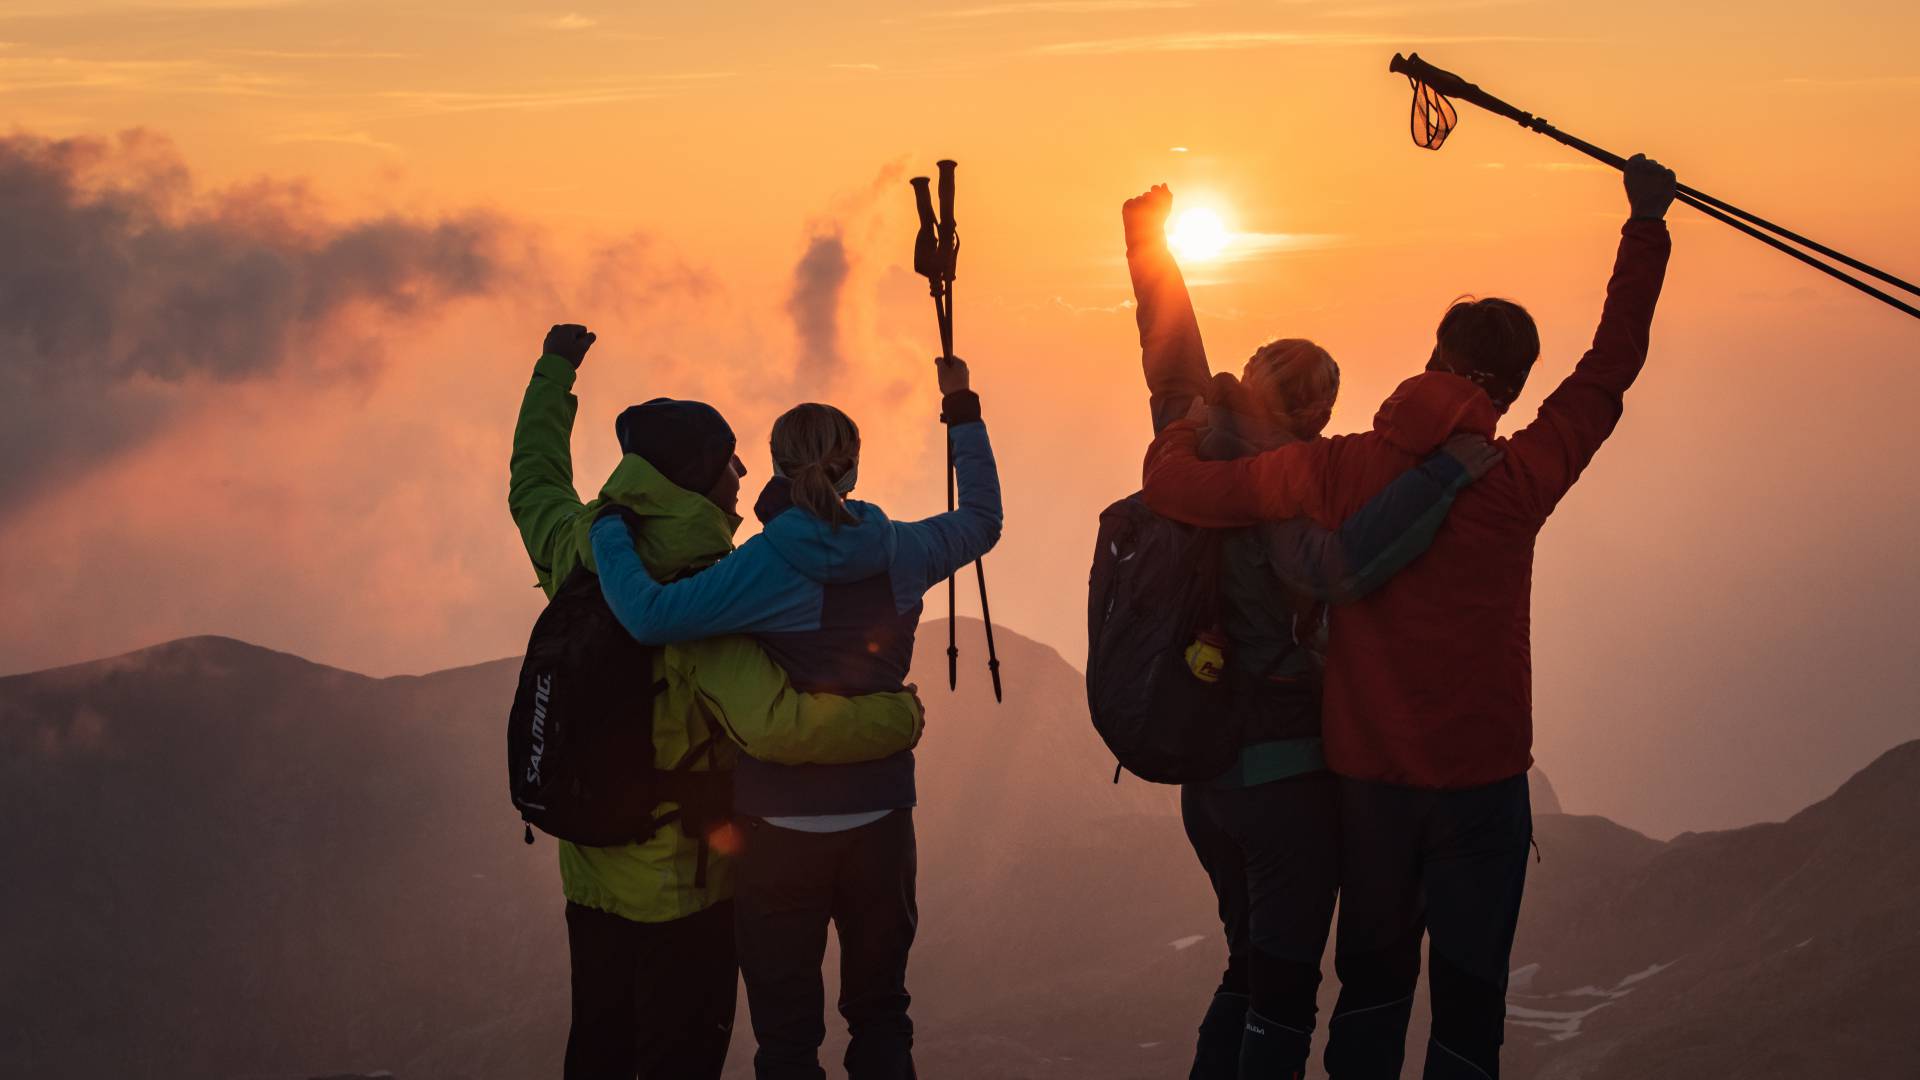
x=1198, y=234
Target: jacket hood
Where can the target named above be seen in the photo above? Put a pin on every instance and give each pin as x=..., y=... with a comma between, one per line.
x=683, y=531
x=828, y=554
x=1237, y=426
x=1426, y=410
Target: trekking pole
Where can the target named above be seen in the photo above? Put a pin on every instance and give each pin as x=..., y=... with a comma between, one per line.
x=936, y=250
x=1434, y=118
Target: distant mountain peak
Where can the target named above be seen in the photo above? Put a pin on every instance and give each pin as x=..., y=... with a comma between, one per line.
x=188, y=655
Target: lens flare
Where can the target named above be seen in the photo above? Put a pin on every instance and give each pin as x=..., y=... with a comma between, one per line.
x=1198, y=234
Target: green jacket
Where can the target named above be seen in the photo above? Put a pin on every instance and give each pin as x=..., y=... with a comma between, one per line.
x=728, y=684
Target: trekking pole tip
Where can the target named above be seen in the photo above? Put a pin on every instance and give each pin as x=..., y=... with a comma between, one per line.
x=993, y=667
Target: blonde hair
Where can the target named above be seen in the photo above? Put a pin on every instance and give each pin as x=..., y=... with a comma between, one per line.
x=1297, y=382
x=817, y=447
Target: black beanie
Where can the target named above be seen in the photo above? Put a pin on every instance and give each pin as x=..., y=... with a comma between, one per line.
x=688, y=441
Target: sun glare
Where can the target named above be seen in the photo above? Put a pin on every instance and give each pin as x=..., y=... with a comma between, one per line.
x=1198, y=234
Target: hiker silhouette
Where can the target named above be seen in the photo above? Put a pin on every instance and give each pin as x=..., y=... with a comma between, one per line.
x=1427, y=722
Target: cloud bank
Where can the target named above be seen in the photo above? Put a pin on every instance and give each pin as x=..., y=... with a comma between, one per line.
x=125, y=289
x=814, y=305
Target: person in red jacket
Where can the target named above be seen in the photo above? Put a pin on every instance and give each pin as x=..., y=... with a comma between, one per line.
x=1428, y=719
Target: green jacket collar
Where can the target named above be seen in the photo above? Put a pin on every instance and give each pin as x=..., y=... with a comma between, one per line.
x=684, y=531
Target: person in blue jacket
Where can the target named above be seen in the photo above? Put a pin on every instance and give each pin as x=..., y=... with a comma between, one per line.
x=832, y=589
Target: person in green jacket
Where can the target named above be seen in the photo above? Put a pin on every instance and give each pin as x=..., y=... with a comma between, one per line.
x=649, y=925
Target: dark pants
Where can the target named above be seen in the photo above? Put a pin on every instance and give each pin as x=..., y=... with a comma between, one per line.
x=789, y=886
x=650, y=1000
x=1451, y=865
x=1272, y=852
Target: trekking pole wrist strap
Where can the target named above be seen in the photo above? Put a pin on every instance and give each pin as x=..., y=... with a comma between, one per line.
x=960, y=407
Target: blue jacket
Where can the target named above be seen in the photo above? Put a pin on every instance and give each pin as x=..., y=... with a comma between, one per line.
x=837, y=607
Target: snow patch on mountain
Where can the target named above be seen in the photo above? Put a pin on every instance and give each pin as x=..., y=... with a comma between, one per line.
x=1561, y=1024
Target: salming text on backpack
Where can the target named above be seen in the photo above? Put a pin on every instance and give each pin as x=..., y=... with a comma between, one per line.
x=580, y=753
x=1153, y=592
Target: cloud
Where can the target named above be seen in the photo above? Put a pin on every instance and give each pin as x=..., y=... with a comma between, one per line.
x=1220, y=41
x=42, y=73
x=319, y=54
x=1061, y=7
x=1403, y=11
x=825, y=303
x=1248, y=246
x=126, y=292
x=339, y=138
x=1870, y=81
x=572, y=20
x=440, y=102
x=813, y=302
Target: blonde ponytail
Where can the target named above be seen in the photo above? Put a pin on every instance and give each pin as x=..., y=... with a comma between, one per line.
x=817, y=448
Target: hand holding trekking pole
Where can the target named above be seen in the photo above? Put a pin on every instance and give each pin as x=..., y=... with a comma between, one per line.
x=953, y=375
x=1651, y=187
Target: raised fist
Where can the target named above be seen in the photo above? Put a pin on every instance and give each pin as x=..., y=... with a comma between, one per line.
x=569, y=340
x=1650, y=187
x=1145, y=215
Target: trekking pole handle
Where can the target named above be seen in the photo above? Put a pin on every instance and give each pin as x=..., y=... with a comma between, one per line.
x=1439, y=78
x=923, y=200
x=949, y=236
x=926, y=242
x=946, y=168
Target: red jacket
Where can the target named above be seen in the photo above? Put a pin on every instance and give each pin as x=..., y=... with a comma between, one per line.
x=1429, y=679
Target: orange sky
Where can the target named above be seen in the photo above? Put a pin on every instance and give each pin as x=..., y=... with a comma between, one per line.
x=1728, y=594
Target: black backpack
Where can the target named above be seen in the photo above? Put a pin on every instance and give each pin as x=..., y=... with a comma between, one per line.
x=1154, y=589
x=580, y=754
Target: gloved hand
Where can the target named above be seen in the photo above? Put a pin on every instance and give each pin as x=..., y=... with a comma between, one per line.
x=1650, y=187
x=613, y=509
x=569, y=340
x=1474, y=453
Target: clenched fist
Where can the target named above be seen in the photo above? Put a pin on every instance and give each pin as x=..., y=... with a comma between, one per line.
x=569, y=340
x=1650, y=187
x=1145, y=215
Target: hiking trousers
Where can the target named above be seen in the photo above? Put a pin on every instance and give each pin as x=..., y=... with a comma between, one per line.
x=1449, y=865
x=650, y=1000
x=1272, y=853
x=788, y=885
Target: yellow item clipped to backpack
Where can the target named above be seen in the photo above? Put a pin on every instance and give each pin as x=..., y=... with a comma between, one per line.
x=1207, y=656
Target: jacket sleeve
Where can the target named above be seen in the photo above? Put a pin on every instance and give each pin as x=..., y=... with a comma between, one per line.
x=1171, y=353
x=1394, y=528
x=1272, y=486
x=951, y=540
x=722, y=599
x=1577, y=417
x=540, y=493
x=755, y=703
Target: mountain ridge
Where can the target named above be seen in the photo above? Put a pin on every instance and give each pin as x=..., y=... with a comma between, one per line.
x=244, y=863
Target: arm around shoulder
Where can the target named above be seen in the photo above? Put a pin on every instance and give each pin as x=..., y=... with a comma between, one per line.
x=756, y=704
x=1272, y=486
